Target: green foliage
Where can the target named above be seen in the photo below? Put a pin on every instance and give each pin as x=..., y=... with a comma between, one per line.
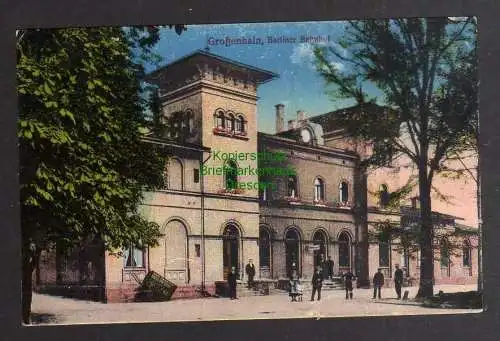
x=83, y=167
x=426, y=70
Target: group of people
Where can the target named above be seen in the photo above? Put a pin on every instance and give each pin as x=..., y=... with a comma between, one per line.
x=317, y=284
x=379, y=281
x=233, y=276
x=322, y=272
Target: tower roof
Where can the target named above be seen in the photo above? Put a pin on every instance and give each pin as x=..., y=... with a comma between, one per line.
x=198, y=57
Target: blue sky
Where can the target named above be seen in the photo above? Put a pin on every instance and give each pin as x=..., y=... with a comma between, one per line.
x=299, y=86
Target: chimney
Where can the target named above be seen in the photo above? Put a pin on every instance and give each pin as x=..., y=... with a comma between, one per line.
x=280, y=118
x=291, y=124
x=301, y=116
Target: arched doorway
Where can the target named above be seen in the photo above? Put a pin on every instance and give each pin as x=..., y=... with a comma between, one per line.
x=344, y=252
x=176, y=253
x=231, y=240
x=292, y=251
x=265, y=252
x=320, y=254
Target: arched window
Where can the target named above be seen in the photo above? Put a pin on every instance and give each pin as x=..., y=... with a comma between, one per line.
x=343, y=192
x=231, y=250
x=230, y=122
x=320, y=239
x=239, y=124
x=466, y=254
x=189, y=117
x=319, y=190
x=384, y=196
x=231, y=173
x=292, y=186
x=292, y=251
x=264, y=249
x=219, y=119
x=344, y=250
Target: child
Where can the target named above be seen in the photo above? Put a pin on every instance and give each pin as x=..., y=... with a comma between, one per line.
x=348, y=278
x=294, y=283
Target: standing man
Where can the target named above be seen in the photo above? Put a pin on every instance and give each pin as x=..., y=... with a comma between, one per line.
x=317, y=283
x=250, y=271
x=348, y=278
x=398, y=280
x=378, y=282
x=330, y=264
x=324, y=266
x=231, y=281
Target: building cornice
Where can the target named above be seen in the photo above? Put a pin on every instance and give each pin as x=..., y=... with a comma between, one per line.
x=295, y=146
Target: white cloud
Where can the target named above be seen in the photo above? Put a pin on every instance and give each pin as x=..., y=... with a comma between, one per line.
x=302, y=54
x=338, y=66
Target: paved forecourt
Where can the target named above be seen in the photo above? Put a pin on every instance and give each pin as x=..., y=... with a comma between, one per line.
x=332, y=304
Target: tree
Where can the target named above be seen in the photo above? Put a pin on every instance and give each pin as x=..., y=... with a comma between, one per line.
x=410, y=61
x=83, y=167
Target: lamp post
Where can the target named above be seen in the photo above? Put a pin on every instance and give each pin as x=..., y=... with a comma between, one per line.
x=202, y=190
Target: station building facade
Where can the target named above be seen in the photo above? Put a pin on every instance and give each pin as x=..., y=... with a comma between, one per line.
x=323, y=209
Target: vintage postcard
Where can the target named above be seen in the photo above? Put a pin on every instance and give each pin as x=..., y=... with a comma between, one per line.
x=177, y=173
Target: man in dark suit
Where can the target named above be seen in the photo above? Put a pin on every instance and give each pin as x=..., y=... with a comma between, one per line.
x=378, y=282
x=329, y=267
x=250, y=271
x=231, y=281
x=317, y=283
x=398, y=280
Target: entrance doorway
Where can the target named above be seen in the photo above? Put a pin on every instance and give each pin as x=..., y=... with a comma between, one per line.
x=231, y=239
x=265, y=252
x=320, y=254
x=292, y=250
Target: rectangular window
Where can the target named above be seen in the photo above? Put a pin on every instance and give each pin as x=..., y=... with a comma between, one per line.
x=383, y=254
x=197, y=250
x=133, y=258
x=196, y=175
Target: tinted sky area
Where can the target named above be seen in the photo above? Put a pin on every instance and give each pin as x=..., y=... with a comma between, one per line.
x=299, y=87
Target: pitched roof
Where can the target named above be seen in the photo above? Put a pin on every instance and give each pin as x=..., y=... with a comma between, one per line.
x=330, y=120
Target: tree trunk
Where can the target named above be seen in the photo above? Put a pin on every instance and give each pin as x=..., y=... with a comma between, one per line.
x=480, y=232
x=361, y=217
x=426, y=287
x=27, y=283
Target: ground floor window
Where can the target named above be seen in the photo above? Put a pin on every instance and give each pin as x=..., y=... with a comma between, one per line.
x=292, y=251
x=231, y=250
x=133, y=257
x=344, y=250
x=320, y=239
x=264, y=248
x=444, y=256
x=383, y=254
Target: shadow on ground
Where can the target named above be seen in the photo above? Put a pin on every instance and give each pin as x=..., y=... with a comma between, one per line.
x=395, y=301
x=42, y=318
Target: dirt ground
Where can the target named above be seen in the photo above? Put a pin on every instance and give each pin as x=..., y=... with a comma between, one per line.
x=56, y=310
